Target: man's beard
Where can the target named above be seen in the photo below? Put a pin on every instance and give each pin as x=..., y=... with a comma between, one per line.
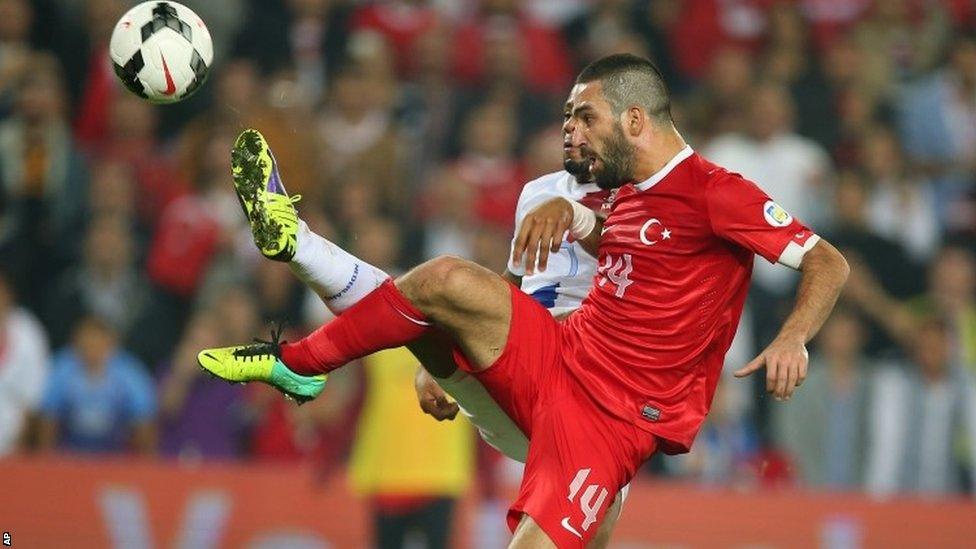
x=617, y=160
x=577, y=168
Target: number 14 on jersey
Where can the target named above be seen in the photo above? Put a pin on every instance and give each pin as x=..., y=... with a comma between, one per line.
x=617, y=272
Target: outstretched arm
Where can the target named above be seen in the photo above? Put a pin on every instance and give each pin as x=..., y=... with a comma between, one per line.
x=824, y=271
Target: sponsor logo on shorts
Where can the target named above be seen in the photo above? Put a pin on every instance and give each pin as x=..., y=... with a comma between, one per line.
x=651, y=413
x=775, y=215
x=565, y=523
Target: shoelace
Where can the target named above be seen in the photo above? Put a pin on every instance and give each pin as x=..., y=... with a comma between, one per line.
x=263, y=347
x=293, y=199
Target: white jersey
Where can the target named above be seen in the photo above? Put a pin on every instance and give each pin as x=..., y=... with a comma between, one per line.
x=569, y=274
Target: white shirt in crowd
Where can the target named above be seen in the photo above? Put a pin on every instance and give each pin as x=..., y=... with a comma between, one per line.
x=790, y=168
x=23, y=374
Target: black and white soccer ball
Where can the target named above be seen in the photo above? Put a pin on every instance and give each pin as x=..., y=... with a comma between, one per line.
x=161, y=51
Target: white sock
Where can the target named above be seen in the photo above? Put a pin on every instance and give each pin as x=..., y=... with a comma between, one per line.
x=338, y=277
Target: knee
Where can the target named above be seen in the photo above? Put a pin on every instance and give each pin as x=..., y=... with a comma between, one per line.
x=440, y=280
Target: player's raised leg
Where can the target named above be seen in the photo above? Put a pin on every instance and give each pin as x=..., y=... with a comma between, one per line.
x=469, y=302
x=274, y=224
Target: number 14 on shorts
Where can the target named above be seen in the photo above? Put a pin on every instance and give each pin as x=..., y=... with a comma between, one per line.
x=587, y=504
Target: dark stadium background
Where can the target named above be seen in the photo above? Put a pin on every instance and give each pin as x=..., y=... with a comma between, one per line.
x=409, y=128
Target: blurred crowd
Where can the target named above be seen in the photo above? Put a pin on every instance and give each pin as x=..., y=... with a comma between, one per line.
x=409, y=127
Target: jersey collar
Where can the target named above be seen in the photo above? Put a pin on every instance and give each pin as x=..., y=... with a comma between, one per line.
x=663, y=172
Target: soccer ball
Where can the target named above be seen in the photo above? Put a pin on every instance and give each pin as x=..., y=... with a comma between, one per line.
x=161, y=51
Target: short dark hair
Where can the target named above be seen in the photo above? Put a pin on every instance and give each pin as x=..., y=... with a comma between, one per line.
x=630, y=80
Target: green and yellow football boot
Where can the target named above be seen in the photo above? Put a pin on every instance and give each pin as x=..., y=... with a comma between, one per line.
x=261, y=362
x=269, y=209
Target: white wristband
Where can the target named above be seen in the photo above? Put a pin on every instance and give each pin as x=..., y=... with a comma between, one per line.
x=584, y=221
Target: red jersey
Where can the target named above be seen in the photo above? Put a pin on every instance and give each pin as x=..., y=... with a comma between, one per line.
x=675, y=261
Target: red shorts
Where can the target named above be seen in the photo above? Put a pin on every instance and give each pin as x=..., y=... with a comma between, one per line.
x=579, y=456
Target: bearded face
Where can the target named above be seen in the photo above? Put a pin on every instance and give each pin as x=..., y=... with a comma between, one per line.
x=592, y=128
x=613, y=166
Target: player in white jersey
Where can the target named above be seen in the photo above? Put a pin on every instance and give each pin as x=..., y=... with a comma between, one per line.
x=568, y=277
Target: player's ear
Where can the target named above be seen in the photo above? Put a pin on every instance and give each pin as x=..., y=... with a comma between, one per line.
x=634, y=120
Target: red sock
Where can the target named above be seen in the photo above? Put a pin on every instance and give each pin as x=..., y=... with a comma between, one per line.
x=382, y=320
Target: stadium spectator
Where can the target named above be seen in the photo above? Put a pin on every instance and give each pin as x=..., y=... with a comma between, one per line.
x=240, y=99
x=829, y=20
x=111, y=193
x=23, y=369
x=914, y=419
x=488, y=163
x=886, y=259
x=704, y=27
x=90, y=72
x=196, y=228
x=952, y=295
x=900, y=207
x=44, y=180
x=504, y=86
x=359, y=136
x=544, y=153
x=794, y=168
x=132, y=137
x=199, y=417
x=107, y=283
x=16, y=17
x=307, y=35
x=99, y=398
x=413, y=488
x=374, y=56
x=718, y=106
x=224, y=19
x=938, y=114
x=727, y=446
x=402, y=23
x=550, y=69
x=318, y=433
x=602, y=30
x=824, y=427
x=884, y=269
x=855, y=106
x=900, y=40
x=483, y=185
x=279, y=293
x=788, y=60
x=427, y=102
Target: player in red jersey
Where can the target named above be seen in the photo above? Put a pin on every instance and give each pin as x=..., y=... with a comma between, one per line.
x=632, y=371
